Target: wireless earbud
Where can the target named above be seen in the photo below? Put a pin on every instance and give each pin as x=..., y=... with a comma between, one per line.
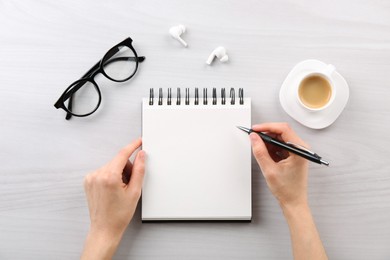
x=220, y=53
x=176, y=31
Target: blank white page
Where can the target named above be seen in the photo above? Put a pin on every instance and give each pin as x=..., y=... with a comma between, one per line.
x=198, y=163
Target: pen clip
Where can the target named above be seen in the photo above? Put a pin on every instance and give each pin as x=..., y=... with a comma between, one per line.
x=302, y=148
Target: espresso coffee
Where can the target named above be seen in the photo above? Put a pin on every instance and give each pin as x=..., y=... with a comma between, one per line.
x=315, y=92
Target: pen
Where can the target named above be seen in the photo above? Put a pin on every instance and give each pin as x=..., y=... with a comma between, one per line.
x=291, y=147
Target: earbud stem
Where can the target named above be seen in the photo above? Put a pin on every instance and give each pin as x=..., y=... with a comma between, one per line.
x=182, y=41
x=210, y=59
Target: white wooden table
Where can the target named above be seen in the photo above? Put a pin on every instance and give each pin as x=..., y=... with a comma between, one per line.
x=46, y=45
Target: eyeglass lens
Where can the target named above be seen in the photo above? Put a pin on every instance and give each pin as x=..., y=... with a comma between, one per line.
x=85, y=97
x=122, y=65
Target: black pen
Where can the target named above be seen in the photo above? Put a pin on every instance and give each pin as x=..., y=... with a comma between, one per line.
x=291, y=147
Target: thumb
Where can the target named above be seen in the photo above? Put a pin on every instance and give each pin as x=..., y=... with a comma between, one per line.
x=260, y=151
x=137, y=175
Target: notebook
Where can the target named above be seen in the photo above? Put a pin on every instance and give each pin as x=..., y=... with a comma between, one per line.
x=198, y=164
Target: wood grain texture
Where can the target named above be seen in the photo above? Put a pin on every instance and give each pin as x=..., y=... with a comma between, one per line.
x=46, y=45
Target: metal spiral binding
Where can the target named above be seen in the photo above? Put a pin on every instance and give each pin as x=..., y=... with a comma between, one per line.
x=241, y=95
x=160, y=97
x=196, y=99
x=187, y=96
x=151, y=97
x=196, y=96
x=169, y=99
x=214, y=96
x=232, y=96
x=223, y=96
x=178, y=97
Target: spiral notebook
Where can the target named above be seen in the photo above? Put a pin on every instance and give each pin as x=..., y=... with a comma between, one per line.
x=198, y=163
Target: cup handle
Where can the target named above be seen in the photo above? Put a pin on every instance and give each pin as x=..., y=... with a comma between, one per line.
x=328, y=71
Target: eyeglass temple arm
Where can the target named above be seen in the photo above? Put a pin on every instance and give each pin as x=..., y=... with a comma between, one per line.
x=70, y=102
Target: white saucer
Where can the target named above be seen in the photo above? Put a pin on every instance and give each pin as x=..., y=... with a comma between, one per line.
x=312, y=119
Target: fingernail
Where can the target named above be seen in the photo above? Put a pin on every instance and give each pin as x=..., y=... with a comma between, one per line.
x=252, y=136
x=142, y=154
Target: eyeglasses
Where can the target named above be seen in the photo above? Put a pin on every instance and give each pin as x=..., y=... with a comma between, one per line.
x=119, y=64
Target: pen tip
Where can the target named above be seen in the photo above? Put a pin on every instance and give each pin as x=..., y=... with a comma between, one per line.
x=325, y=162
x=247, y=130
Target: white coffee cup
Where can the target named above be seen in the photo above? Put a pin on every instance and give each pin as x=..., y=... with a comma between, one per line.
x=315, y=89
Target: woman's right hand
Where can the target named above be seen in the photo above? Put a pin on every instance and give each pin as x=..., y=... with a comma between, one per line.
x=286, y=173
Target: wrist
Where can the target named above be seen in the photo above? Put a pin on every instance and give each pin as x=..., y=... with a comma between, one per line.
x=294, y=203
x=293, y=209
x=100, y=244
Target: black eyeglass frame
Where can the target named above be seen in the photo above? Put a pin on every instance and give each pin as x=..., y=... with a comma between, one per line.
x=89, y=76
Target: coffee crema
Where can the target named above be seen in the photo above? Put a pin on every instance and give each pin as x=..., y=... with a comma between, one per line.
x=315, y=92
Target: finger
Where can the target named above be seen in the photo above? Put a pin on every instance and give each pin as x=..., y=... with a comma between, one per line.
x=137, y=175
x=282, y=129
x=120, y=160
x=260, y=152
